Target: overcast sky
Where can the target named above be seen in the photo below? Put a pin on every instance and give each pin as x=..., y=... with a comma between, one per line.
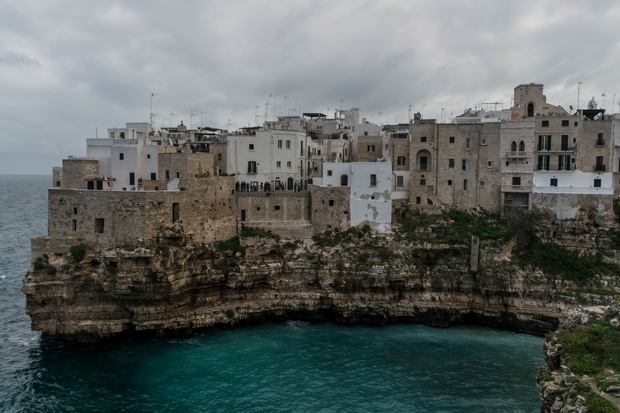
x=71, y=69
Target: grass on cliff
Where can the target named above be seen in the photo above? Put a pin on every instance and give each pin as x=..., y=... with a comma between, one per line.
x=451, y=226
x=592, y=349
x=258, y=232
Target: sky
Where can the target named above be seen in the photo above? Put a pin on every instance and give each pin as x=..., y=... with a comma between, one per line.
x=69, y=70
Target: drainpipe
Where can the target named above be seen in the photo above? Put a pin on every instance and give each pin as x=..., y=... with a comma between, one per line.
x=436, y=157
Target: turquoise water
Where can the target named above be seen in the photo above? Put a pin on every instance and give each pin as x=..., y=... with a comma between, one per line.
x=274, y=367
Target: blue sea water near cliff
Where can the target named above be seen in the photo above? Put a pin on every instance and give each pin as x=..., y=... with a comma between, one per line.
x=274, y=367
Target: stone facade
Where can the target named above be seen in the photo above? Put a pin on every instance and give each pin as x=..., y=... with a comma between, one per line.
x=330, y=208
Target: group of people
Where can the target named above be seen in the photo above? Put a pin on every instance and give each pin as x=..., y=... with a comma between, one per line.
x=255, y=186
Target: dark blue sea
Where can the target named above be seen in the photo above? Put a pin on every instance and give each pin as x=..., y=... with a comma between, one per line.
x=274, y=367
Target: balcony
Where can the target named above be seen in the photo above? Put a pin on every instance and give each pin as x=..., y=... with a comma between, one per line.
x=516, y=188
x=516, y=154
x=600, y=142
x=599, y=167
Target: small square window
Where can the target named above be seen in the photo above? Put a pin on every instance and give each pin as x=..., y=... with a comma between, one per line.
x=148, y=156
x=329, y=172
x=276, y=207
x=450, y=182
x=121, y=156
x=545, y=124
x=565, y=123
x=331, y=202
x=481, y=184
x=489, y=164
x=451, y=163
x=554, y=182
x=483, y=142
x=452, y=139
x=597, y=183
x=422, y=182
x=251, y=146
x=423, y=139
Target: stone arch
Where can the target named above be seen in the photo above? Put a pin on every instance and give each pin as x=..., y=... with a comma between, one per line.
x=423, y=160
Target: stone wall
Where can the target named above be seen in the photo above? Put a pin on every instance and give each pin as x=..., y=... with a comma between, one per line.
x=330, y=208
x=77, y=172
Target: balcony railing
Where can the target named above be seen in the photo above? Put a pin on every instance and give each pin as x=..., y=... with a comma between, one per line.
x=516, y=188
x=599, y=167
x=516, y=154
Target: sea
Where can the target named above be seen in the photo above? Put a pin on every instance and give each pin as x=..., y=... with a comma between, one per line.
x=273, y=367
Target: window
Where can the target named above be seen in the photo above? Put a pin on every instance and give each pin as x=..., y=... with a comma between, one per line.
x=516, y=181
x=545, y=124
x=121, y=156
x=465, y=184
x=422, y=181
x=418, y=200
x=288, y=144
x=289, y=164
x=468, y=143
x=565, y=122
x=599, y=166
x=371, y=148
x=424, y=165
x=251, y=146
x=423, y=139
x=132, y=178
x=464, y=164
x=544, y=142
x=99, y=224
x=543, y=162
x=278, y=164
x=331, y=202
x=450, y=182
x=553, y=182
x=489, y=164
x=597, y=183
x=280, y=143
x=451, y=163
x=251, y=167
x=219, y=156
x=483, y=142
x=481, y=184
x=373, y=180
x=564, y=143
x=522, y=146
x=153, y=176
x=600, y=140
x=564, y=162
x=400, y=160
x=452, y=139
x=148, y=156
x=74, y=225
x=329, y=172
x=399, y=180
x=175, y=211
x=344, y=180
x=178, y=174
x=513, y=146
x=276, y=207
x=530, y=109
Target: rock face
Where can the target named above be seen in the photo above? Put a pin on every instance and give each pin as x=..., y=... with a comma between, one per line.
x=372, y=280
x=564, y=390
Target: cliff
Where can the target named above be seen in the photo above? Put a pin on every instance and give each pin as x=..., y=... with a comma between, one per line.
x=363, y=278
x=582, y=362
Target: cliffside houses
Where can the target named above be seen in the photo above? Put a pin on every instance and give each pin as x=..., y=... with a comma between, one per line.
x=303, y=175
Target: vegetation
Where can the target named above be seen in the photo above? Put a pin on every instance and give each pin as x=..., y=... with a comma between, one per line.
x=453, y=226
x=592, y=348
x=42, y=264
x=162, y=249
x=337, y=237
x=231, y=244
x=78, y=252
x=258, y=232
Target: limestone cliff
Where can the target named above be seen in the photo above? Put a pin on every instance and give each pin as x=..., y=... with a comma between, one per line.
x=365, y=279
x=582, y=369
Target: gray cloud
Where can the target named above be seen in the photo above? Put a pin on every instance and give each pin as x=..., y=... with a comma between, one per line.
x=69, y=68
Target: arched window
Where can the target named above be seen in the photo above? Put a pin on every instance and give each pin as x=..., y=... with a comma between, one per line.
x=530, y=109
x=513, y=146
x=522, y=146
x=423, y=160
x=344, y=180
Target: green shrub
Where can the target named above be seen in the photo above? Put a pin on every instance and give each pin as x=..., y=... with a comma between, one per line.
x=78, y=252
x=231, y=244
x=258, y=232
x=162, y=249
